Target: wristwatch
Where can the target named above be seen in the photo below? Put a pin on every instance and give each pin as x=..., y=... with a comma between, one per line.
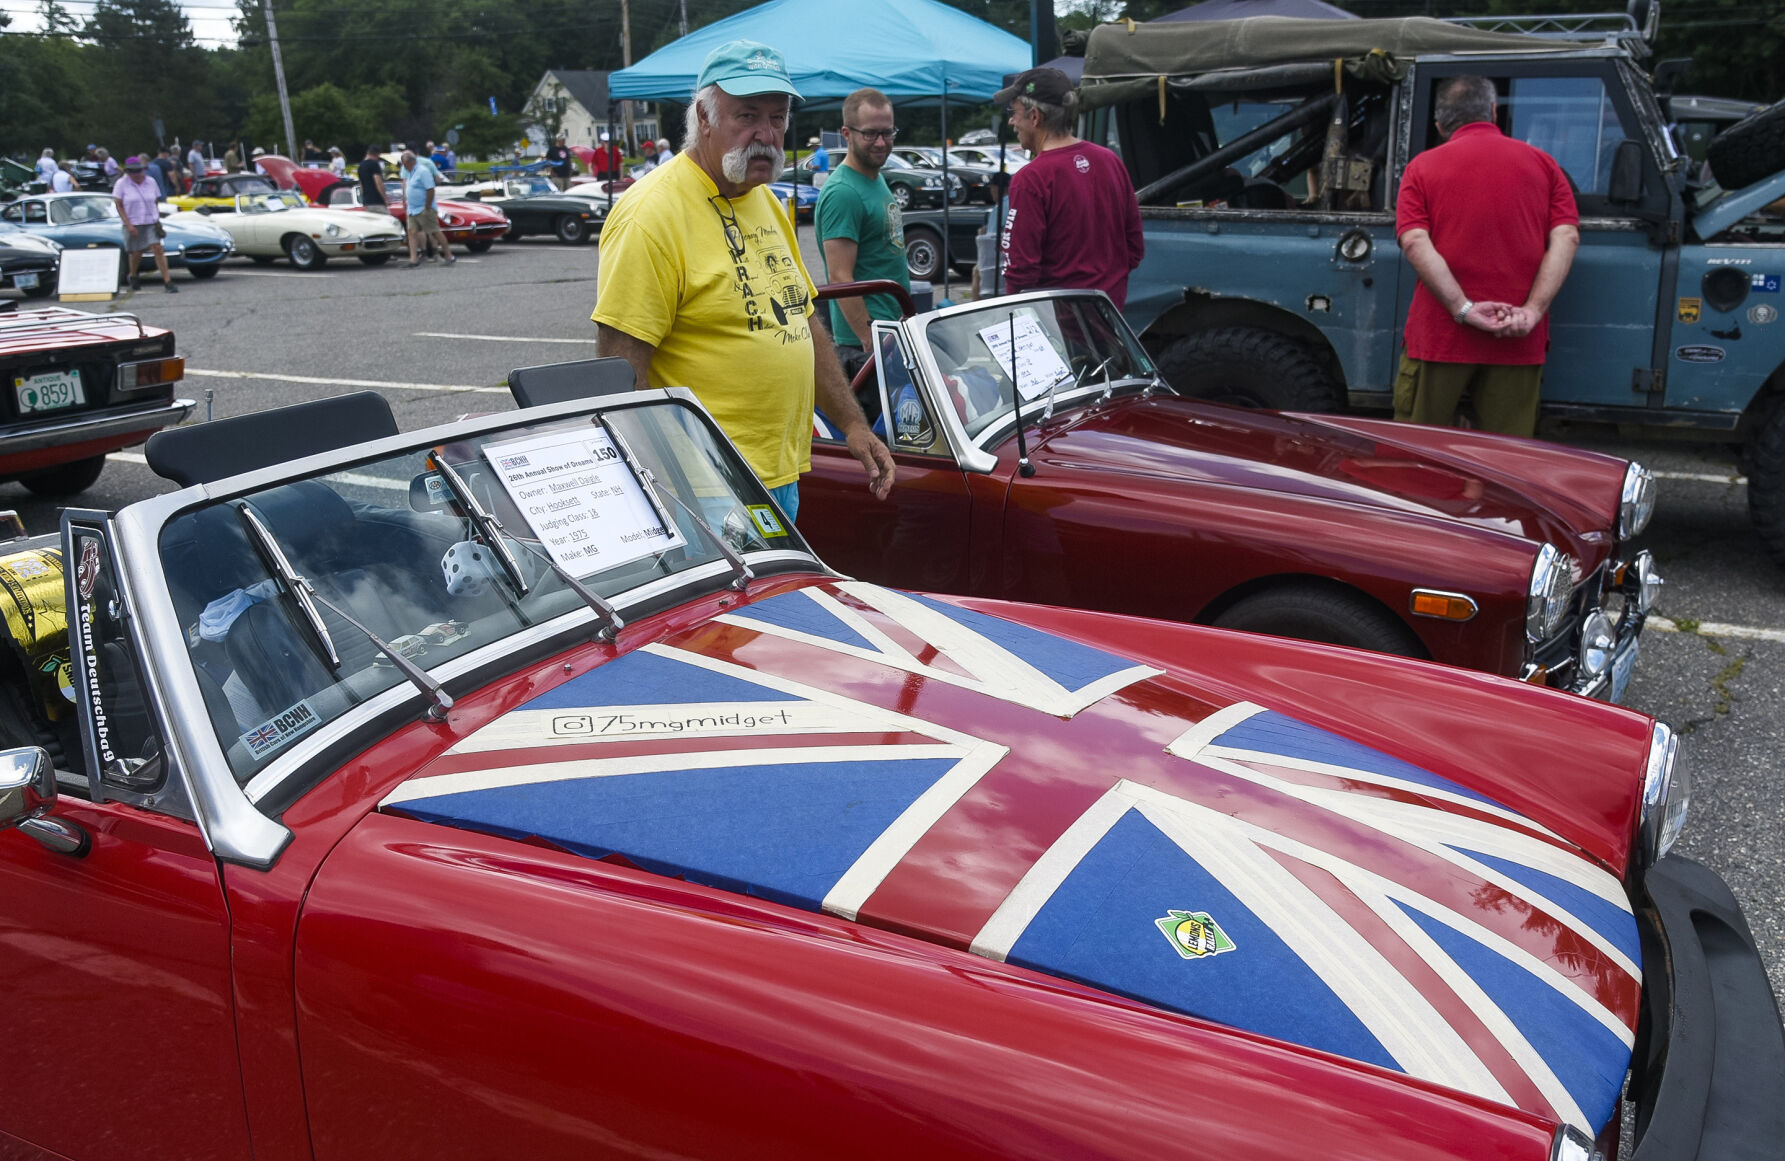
x=1463, y=311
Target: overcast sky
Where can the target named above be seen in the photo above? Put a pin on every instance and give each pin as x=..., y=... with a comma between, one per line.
x=210, y=19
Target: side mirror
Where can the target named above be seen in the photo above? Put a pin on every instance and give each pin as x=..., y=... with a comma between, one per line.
x=27, y=793
x=27, y=785
x=1626, y=173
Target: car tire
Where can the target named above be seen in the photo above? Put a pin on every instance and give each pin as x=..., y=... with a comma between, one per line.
x=572, y=231
x=1247, y=367
x=208, y=270
x=375, y=259
x=1766, y=482
x=923, y=253
x=64, y=479
x=1751, y=150
x=480, y=246
x=1324, y=612
x=902, y=194
x=304, y=254
x=41, y=290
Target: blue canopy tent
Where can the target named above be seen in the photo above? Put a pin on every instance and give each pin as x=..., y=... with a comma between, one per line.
x=914, y=51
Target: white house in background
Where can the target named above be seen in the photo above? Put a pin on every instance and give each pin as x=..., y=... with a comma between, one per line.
x=580, y=98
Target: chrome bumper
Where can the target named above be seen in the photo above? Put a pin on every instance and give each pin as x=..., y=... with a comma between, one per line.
x=91, y=427
x=1708, y=1076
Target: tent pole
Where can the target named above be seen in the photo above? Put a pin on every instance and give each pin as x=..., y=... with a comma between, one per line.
x=945, y=236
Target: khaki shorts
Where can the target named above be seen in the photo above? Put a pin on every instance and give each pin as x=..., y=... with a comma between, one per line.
x=426, y=220
x=1504, y=396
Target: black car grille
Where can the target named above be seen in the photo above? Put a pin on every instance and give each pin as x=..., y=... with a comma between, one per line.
x=204, y=252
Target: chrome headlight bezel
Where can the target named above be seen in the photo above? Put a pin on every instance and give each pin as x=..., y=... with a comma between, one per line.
x=1648, y=581
x=1546, y=600
x=1666, y=797
x=333, y=230
x=1598, y=644
x=1636, y=502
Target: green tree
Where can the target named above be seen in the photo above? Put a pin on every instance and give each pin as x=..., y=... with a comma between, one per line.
x=147, y=69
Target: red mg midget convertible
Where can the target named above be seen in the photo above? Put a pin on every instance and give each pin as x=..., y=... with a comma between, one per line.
x=1510, y=556
x=525, y=787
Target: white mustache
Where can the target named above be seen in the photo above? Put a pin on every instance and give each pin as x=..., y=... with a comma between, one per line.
x=736, y=164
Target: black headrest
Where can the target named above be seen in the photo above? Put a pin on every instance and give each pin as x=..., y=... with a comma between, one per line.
x=561, y=382
x=205, y=452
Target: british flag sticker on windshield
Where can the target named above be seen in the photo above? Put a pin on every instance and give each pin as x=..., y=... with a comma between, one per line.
x=1193, y=934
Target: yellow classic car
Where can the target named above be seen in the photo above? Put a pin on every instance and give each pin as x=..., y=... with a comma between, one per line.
x=220, y=192
x=281, y=224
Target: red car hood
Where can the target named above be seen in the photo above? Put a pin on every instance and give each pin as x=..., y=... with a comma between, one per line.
x=915, y=765
x=1536, y=491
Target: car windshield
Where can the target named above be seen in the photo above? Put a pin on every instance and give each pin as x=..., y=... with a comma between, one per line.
x=894, y=161
x=395, y=545
x=64, y=211
x=1071, y=344
x=520, y=187
x=253, y=185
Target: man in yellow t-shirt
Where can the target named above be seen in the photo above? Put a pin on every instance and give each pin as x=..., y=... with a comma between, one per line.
x=702, y=285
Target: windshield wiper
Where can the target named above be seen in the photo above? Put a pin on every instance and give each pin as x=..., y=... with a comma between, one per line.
x=295, y=585
x=487, y=527
x=490, y=532
x=741, y=574
x=610, y=619
x=306, y=596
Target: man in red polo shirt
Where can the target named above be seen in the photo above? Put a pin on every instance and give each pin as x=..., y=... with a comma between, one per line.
x=1490, y=227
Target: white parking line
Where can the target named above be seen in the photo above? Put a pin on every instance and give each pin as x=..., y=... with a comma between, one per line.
x=497, y=338
x=277, y=273
x=1717, y=629
x=1702, y=477
x=384, y=383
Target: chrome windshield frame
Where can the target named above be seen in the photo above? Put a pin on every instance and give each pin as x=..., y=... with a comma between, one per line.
x=235, y=828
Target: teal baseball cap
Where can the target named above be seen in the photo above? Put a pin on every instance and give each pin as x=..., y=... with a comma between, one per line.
x=745, y=68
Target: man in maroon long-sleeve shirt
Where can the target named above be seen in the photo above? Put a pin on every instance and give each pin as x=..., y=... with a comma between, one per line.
x=1073, y=219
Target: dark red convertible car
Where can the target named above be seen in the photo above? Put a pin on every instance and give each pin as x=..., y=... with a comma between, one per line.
x=525, y=787
x=1510, y=556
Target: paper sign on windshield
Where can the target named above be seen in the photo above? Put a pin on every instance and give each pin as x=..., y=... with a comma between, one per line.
x=1036, y=366
x=576, y=493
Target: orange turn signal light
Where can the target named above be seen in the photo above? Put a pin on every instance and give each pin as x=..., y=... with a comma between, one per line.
x=1443, y=606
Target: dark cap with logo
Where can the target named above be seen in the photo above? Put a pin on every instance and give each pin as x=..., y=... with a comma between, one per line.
x=1047, y=86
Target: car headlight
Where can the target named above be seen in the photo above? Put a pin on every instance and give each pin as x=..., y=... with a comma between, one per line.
x=1637, y=503
x=932, y=183
x=333, y=230
x=1666, y=793
x=1552, y=580
x=449, y=220
x=1598, y=640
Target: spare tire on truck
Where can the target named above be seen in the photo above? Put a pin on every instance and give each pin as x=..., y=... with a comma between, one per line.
x=1751, y=150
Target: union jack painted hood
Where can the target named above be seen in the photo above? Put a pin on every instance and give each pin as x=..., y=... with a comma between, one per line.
x=915, y=765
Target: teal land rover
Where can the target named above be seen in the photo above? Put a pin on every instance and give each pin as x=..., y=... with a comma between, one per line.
x=1266, y=154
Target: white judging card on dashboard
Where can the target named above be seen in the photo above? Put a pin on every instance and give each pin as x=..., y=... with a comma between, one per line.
x=1036, y=366
x=576, y=492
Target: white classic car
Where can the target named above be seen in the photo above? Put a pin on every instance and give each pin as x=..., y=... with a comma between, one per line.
x=282, y=224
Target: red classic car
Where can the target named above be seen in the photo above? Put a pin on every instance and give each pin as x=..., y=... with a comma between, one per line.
x=524, y=787
x=80, y=386
x=1510, y=556
x=470, y=224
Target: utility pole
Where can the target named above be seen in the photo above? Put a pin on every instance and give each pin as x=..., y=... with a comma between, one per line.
x=279, y=76
x=626, y=62
x=684, y=26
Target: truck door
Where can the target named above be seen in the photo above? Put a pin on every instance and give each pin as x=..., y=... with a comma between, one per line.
x=1603, y=324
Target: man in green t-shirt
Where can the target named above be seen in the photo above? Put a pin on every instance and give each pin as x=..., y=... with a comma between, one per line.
x=859, y=226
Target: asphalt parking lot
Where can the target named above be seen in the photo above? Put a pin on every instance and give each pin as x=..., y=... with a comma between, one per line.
x=440, y=341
